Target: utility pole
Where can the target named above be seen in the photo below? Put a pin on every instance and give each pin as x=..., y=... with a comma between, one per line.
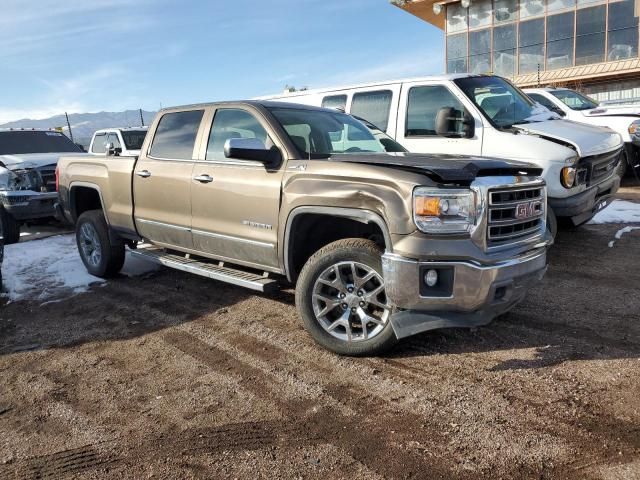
x=69, y=126
x=538, y=75
x=141, y=118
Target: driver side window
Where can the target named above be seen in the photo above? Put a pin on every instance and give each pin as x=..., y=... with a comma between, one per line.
x=233, y=123
x=423, y=104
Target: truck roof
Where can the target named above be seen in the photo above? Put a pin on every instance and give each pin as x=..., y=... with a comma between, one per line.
x=121, y=129
x=448, y=76
x=23, y=129
x=257, y=102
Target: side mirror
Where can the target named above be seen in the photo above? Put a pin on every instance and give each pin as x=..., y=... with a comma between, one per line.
x=252, y=149
x=454, y=123
x=111, y=150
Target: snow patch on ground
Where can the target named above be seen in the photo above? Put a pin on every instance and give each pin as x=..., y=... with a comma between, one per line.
x=51, y=268
x=618, y=211
x=621, y=232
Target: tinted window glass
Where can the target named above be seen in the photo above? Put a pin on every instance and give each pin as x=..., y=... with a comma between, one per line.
x=479, y=51
x=531, y=42
x=373, y=106
x=29, y=141
x=456, y=18
x=542, y=100
x=335, y=101
x=623, y=31
x=480, y=13
x=99, y=143
x=134, y=139
x=232, y=123
x=504, y=53
x=423, y=106
x=113, y=138
x=531, y=8
x=590, y=32
x=175, y=136
x=554, y=5
x=457, y=53
x=560, y=41
x=505, y=10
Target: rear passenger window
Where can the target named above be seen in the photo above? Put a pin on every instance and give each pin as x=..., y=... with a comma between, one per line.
x=335, y=101
x=175, y=136
x=233, y=123
x=373, y=106
x=99, y=143
x=423, y=106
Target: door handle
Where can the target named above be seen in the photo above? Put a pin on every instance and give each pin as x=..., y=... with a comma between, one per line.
x=203, y=178
x=144, y=173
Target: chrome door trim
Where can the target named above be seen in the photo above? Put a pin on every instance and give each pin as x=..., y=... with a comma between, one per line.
x=235, y=239
x=162, y=224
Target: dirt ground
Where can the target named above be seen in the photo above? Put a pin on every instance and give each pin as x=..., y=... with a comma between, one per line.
x=173, y=376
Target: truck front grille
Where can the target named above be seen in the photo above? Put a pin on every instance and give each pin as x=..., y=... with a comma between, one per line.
x=593, y=169
x=515, y=215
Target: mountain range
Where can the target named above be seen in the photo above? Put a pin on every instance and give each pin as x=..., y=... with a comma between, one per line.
x=83, y=125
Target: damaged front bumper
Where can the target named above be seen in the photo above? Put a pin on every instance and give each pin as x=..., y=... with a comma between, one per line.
x=469, y=294
x=28, y=204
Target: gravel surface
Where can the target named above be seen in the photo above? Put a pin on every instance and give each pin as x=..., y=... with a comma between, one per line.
x=173, y=376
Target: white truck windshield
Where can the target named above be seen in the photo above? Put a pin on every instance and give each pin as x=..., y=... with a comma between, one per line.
x=574, y=100
x=502, y=103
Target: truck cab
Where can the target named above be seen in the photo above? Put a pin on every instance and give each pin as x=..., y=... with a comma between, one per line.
x=125, y=142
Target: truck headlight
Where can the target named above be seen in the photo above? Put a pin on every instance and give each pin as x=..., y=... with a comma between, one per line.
x=444, y=211
x=568, y=177
x=7, y=179
x=634, y=128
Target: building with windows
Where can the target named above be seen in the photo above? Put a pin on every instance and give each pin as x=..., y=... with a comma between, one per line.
x=589, y=45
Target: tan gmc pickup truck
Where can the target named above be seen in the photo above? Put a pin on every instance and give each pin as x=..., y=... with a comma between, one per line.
x=380, y=243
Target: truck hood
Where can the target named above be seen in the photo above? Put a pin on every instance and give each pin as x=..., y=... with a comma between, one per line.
x=33, y=160
x=585, y=139
x=443, y=168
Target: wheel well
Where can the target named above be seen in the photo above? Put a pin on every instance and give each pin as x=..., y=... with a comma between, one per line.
x=84, y=199
x=310, y=232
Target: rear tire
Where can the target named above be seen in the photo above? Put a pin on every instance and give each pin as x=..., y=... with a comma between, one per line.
x=9, y=227
x=341, y=300
x=102, y=256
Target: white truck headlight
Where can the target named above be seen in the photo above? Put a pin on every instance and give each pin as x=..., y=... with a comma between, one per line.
x=634, y=128
x=444, y=211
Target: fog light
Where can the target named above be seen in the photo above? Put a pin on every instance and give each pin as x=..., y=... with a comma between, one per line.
x=431, y=278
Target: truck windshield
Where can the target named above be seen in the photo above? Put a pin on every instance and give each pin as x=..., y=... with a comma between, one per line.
x=320, y=134
x=574, y=100
x=133, y=139
x=502, y=103
x=19, y=142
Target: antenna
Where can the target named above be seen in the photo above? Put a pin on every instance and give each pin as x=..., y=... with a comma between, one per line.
x=141, y=118
x=69, y=126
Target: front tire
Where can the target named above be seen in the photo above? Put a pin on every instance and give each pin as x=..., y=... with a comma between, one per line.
x=552, y=223
x=9, y=227
x=341, y=299
x=102, y=256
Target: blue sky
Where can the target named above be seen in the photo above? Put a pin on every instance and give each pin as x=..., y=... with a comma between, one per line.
x=111, y=55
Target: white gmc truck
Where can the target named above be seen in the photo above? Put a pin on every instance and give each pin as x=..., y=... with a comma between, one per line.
x=485, y=115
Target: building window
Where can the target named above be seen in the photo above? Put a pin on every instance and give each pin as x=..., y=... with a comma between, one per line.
x=556, y=5
x=480, y=51
x=480, y=13
x=505, y=11
x=456, y=18
x=531, y=8
x=588, y=2
x=623, y=31
x=531, y=46
x=373, y=106
x=560, y=41
x=504, y=50
x=590, y=33
x=457, y=53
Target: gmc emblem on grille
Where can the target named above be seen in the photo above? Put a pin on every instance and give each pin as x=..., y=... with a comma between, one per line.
x=527, y=210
